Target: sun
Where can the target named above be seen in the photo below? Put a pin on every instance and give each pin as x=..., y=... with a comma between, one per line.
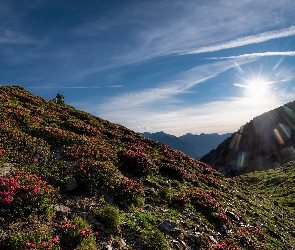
x=256, y=91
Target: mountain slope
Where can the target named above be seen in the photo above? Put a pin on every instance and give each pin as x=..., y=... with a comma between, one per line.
x=65, y=174
x=276, y=184
x=263, y=143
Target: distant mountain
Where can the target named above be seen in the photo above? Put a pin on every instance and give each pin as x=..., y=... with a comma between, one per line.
x=265, y=142
x=205, y=142
x=193, y=145
x=175, y=143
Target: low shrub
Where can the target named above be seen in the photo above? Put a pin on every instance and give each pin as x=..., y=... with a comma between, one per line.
x=24, y=194
x=42, y=238
x=126, y=192
x=110, y=216
x=155, y=241
x=77, y=234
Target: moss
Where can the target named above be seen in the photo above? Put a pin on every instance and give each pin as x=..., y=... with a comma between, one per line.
x=155, y=241
x=110, y=216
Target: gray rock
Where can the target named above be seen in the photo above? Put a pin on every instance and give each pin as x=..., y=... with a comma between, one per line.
x=182, y=243
x=108, y=247
x=4, y=171
x=167, y=226
x=123, y=242
x=176, y=231
x=97, y=225
x=193, y=237
x=3, y=234
x=232, y=216
x=71, y=184
x=212, y=239
x=119, y=243
x=83, y=214
x=62, y=210
x=176, y=245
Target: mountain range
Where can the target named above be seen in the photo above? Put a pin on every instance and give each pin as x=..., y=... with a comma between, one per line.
x=71, y=180
x=265, y=142
x=191, y=144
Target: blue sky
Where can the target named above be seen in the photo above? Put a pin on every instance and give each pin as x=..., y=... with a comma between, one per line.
x=180, y=67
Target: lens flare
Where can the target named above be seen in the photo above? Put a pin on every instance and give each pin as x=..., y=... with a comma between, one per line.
x=278, y=136
x=234, y=144
x=241, y=159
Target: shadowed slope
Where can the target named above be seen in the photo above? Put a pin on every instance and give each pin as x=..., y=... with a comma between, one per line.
x=263, y=143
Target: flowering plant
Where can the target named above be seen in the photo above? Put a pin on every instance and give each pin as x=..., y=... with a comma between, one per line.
x=78, y=232
x=24, y=194
x=42, y=238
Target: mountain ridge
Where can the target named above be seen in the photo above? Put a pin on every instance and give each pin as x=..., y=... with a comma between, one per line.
x=263, y=143
x=191, y=144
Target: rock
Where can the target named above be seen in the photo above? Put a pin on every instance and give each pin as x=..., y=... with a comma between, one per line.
x=193, y=238
x=4, y=171
x=123, y=242
x=167, y=226
x=182, y=244
x=176, y=245
x=107, y=196
x=98, y=225
x=228, y=232
x=232, y=216
x=83, y=214
x=62, y=210
x=181, y=236
x=71, y=184
x=119, y=243
x=212, y=239
x=3, y=235
x=293, y=234
x=176, y=231
x=108, y=247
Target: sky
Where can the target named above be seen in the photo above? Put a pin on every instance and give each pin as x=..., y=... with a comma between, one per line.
x=192, y=66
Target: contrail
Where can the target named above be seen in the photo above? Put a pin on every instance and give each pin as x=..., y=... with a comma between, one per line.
x=262, y=37
x=286, y=53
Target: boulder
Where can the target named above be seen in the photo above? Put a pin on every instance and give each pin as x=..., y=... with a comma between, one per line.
x=167, y=226
x=62, y=210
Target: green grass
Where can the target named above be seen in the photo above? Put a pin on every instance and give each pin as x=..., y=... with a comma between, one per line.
x=276, y=184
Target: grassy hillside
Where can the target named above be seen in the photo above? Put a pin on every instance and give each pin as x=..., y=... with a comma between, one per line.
x=277, y=184
x=69, y=180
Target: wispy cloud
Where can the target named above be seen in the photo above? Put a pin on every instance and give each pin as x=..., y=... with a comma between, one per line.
x=167, y=91
x=135, y=32
x=73, y=87
x=259, y=38
x=12, y=37
x=153, y=32
x=219, y=116
x=286, y=53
